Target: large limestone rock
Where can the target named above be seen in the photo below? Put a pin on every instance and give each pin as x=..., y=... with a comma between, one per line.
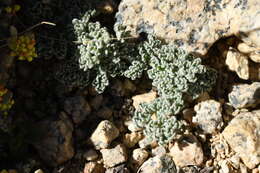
x=193, y=25
x=104, y=134
x=56, y=146
x=243, y=135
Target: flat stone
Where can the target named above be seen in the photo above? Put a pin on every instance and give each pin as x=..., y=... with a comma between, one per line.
x=187, y=151
x=208, y=116
x=104, y=134
x=245, y=96
x=243, y=136
x=238, y=62
x=158, y=164
x=78, y=108
x=193, y=25
x=93, y=167
x=114, y=156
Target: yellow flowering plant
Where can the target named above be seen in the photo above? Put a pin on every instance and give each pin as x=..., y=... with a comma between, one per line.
x=23, y=47
x=6, y=101
x=12, y=9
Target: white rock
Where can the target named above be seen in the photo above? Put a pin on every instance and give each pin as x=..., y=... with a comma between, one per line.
x=208, y=116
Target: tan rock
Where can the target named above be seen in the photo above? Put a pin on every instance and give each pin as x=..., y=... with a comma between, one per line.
x=139, y=156
x=93, y=167
x=186, y=152
x=245, y=96
x=159, y=151
x=104, y=134
x=243, y=168
x=243, y=135
x=255, y=56
x=158, y=164
x=130, y=139
x=114, y=156
x=256, y=170
x=208, y=116
x=147, y=143
x=37, y=171
x=244, y=48
x=225, y=167
x=238, y=62
x=143, y=98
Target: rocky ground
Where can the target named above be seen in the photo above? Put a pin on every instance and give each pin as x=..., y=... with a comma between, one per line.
x=60, y=129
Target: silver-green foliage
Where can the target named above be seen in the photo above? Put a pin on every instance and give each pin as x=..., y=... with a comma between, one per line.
x=157, y=120
x=177, y=76
x=99, y=51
